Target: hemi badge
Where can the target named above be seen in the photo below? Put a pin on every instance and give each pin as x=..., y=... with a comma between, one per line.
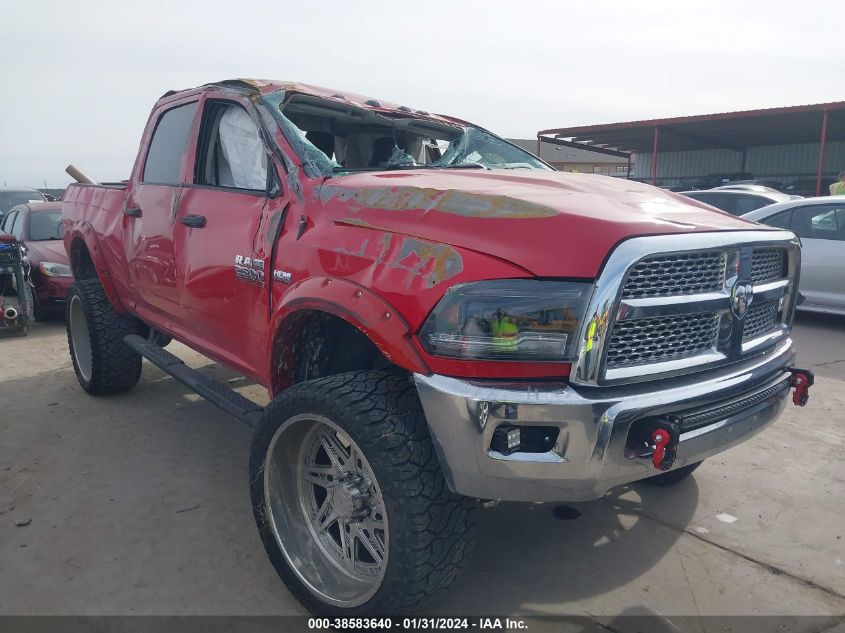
x=282, y=276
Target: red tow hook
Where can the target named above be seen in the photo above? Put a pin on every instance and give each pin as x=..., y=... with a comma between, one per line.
x=802, y=380
x=664, y=455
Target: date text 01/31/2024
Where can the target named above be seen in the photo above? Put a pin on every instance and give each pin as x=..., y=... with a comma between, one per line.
x=417, y=623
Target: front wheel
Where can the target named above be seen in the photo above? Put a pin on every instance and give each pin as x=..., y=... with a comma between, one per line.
x=349, y=498
x=671, y=477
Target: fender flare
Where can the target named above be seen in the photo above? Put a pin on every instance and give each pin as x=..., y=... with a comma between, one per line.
x=356, y=305
x=86, y=234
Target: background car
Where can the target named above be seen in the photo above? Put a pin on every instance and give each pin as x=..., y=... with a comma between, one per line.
x=737, y=202
x=777, y=185
x=807, y=186
x=12, y=196
x=754, y=188
x=38, y=227
x=715, y=180
x=820, y=223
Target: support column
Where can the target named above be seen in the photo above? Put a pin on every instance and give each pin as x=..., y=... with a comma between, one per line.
x=654, y=156
x=821, y=153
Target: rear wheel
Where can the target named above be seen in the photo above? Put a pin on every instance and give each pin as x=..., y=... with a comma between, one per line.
x=102, y=361
x=349, y=498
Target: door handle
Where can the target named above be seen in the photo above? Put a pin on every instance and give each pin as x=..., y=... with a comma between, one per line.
x=194, y=221
x=132, y=212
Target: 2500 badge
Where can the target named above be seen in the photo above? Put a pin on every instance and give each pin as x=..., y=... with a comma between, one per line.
x=249, y=270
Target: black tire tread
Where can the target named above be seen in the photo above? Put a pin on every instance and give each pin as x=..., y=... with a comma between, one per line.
x=115, y=366
x=436, y=527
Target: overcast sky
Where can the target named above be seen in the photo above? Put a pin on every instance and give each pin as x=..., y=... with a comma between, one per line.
x=79, y=78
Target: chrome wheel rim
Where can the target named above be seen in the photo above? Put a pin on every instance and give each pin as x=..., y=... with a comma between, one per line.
x=326, y=510
x=80, y=338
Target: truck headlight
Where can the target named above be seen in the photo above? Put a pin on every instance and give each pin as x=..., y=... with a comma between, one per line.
x=55, y=270
x=514, y=319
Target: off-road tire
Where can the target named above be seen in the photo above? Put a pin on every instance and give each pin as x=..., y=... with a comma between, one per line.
x=114, y=365
x=432, y=530
x=671, y=477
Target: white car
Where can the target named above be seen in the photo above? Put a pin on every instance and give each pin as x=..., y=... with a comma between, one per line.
x=737, y=201
x=820, y=223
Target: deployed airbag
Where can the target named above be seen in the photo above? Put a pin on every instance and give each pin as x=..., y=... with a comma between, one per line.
x=243, y=149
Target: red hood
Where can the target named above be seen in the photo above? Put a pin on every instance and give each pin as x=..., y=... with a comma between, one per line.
x=47, y=251
x=552, y=224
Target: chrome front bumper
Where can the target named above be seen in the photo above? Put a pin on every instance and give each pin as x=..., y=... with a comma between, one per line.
x=589, y=456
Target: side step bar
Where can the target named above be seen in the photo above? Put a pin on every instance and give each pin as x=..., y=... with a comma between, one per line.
x=233, y=403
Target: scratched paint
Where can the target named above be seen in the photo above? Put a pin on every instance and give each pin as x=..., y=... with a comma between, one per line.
x=433, y=263
x=356, y=222
x=359, y=253
x=455, y=202
x=385, y=241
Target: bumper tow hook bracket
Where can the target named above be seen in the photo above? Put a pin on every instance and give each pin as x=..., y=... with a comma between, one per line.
x=665, y=440
x=802, y=380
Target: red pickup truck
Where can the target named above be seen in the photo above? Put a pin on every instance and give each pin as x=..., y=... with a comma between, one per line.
x=439, y=316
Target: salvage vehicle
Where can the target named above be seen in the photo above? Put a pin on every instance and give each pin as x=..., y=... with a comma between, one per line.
x=38, y=228
x=438, y=315
x=820, y=223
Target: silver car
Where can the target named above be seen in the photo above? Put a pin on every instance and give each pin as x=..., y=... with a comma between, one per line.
x=820, y=223
x=737, y=201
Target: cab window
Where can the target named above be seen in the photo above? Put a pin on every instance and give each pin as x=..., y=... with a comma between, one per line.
x=721, y=201
x=231, y=152
x=823, y=222
x=780, y=220
x=17, y=225
x=8, y=221
x=167, y=146
x=746, y=204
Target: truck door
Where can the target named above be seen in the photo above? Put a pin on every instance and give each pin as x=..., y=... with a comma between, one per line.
x=151, y=205
x=222, y=248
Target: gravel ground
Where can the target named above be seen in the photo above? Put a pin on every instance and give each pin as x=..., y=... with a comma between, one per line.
x=138, y=504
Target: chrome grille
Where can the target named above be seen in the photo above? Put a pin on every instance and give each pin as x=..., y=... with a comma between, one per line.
x=675, y=274
x=760, y=319
x=643, y=341
x=667, y=305
x=767, y=264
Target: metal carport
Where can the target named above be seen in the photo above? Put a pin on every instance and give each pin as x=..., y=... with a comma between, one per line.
x=737, y=132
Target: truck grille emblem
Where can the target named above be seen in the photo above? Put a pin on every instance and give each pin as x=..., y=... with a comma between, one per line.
x=742, y=294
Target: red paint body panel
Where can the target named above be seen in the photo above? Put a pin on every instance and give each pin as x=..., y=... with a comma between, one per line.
x=570, y=221
x=400, y=239
x=49, y=290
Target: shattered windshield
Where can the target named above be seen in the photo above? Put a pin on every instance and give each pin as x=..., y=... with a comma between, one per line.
x=333, y=138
